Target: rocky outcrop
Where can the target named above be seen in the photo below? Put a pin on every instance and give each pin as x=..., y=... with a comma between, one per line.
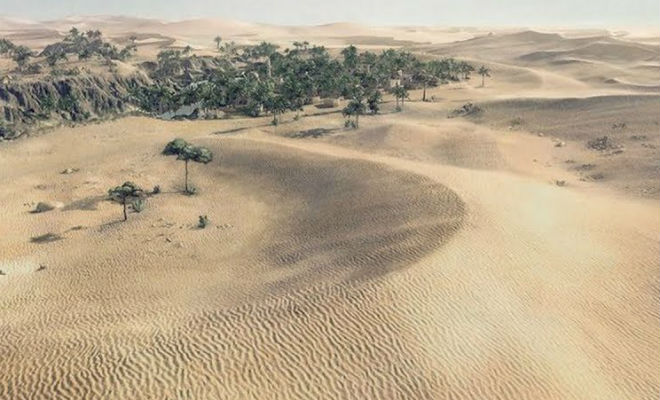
x=25, y=104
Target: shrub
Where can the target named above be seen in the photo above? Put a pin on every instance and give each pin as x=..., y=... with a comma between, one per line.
x=43, y=207
x=139, y=205
x=465, y=110
x=517, y=121
x=156, y=190
x=203, y=221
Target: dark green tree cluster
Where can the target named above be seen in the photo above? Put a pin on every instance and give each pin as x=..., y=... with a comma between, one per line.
x=86, y=45
x=257, y=80
x=20, y=54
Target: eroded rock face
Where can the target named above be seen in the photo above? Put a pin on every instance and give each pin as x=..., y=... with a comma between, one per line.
x=24, y=104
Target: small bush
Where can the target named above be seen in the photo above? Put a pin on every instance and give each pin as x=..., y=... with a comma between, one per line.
x=203, y=221
x=602, y=144
x=43, y=207
x=516, y=122
x=156, y=190
x=139, y=205
x=466, y=110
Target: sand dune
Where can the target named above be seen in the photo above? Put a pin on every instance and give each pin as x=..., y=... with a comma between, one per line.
x=418, y=257
x=293, y=300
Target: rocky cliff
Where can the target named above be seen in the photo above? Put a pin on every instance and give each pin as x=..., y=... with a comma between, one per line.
x=28, y=104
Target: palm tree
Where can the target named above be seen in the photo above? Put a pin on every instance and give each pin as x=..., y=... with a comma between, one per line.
x=484, y=72
x=127, y=192
x=217, y=41
x=422, y=75
x=400, y=92
x=355, y=107
x=350, y=57
x=374, y=100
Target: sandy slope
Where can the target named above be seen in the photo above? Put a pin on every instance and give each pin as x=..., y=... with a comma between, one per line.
x=511, y=285
x=418, y=257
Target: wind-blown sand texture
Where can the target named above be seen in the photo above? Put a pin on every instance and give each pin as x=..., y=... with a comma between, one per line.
x=418, y=257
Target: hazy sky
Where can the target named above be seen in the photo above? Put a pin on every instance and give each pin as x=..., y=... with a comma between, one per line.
x=381, y=12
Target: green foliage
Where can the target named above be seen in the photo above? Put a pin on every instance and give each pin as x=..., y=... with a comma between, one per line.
x=48, y=103
x=373, y=101
x=354, y=108
x=69, y=103
x=55, y=56
x=128, y=192
x=21, y=55
x=6, y=47
x=5, y=130
x=139, y=205
x=260, y=79
x=400, y=93
x=484, y=72
x=197, y=154
x=187, y=152
x=85, y=45
x=175, y=147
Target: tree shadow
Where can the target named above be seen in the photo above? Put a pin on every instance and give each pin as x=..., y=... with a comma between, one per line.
x=46, y=238
x=88, y=203
x=313, y=133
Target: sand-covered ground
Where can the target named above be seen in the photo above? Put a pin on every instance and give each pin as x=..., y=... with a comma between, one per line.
x=418, y=257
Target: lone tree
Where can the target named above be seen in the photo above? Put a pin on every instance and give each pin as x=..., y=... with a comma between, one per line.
x=187, y=152
x=484, y=72
x=217, y=41
x=127, y=193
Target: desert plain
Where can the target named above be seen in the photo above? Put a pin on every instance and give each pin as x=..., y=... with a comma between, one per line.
x=497, y=255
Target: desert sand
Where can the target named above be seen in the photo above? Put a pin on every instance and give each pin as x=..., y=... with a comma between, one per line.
x=417, y=257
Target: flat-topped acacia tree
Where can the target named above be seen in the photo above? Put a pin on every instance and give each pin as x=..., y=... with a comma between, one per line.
x=127, y=193
x=187, y=152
